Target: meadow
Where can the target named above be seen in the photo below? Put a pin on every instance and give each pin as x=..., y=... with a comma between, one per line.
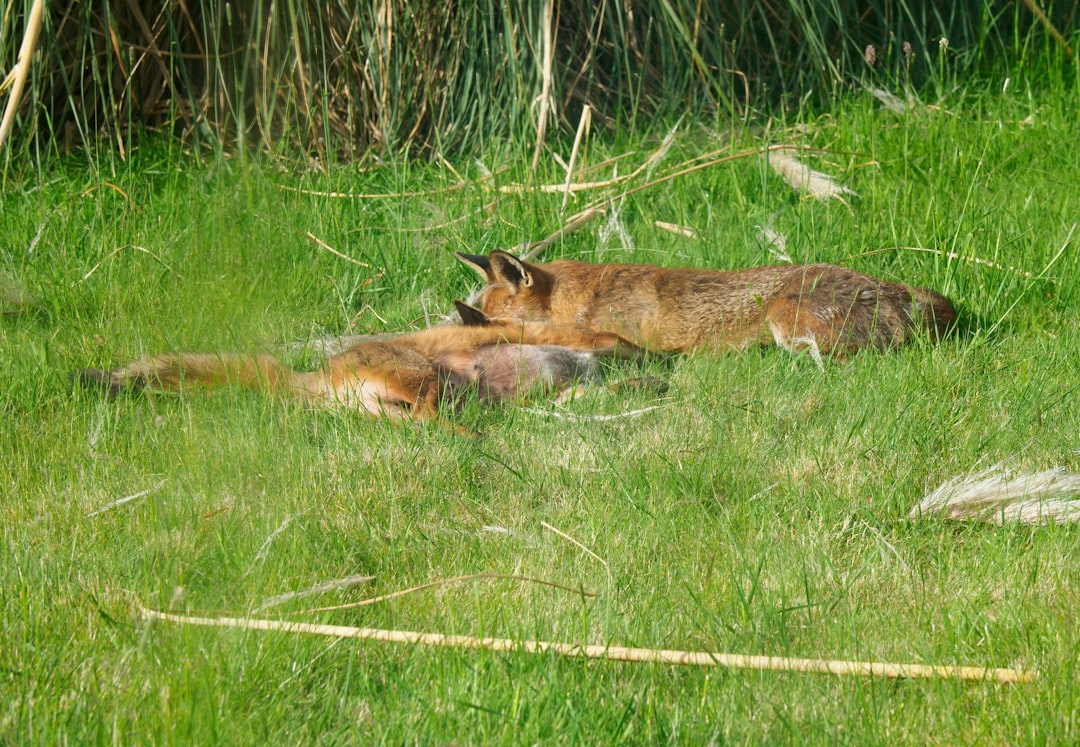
x=758, y=506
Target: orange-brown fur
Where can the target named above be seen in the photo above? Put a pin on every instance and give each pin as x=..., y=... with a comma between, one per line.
x=825, y=309
x=401, y=377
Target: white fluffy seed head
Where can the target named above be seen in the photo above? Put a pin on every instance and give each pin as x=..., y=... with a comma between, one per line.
x=998, y=496
x=804, y=179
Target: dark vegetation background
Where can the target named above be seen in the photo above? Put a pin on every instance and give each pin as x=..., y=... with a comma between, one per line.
x=339, y=79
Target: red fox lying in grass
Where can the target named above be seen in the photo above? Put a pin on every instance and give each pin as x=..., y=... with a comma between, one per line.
x=406, y=377
x=823, y=309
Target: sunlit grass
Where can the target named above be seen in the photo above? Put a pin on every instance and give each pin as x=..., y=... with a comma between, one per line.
x=760, y=509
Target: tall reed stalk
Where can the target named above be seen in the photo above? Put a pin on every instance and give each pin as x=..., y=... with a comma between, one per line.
x=341, y=79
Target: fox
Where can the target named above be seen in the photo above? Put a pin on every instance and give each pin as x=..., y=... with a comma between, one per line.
x=821, y=309
x=408, y=377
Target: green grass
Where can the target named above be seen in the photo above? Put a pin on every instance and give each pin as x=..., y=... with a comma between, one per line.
x=760, y=510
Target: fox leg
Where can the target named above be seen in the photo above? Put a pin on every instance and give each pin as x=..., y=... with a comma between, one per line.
x=579, y=338
x=797, y=330
x=830, y=311
x=834, y=311
x=576, y=337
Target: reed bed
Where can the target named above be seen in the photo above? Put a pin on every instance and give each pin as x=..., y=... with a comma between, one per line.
x=344, y=80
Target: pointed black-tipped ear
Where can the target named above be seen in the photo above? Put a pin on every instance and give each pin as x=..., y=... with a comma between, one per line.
x=471, y=317
x=506, y=268
x=478, y=262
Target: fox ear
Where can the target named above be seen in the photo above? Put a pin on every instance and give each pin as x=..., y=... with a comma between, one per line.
x=471, y=317
x=478, y=262
x=506, y=268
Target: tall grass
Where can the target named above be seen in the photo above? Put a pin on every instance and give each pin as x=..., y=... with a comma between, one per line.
x=319, y=80
x=761, y=509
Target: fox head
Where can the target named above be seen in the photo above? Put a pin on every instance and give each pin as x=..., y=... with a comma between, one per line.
x=515, y=289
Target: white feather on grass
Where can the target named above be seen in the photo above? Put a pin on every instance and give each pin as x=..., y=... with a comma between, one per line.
x=614, y=233
x=998, y=496
x=774, y=241
x=894, y=103
x=319, y=588
x=804, y=179
x=14, y=296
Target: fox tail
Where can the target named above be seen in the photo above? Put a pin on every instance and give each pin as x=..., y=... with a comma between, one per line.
x=173, y=371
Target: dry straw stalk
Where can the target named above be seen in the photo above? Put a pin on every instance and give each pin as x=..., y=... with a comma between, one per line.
x=614, y=653
x=22, y=68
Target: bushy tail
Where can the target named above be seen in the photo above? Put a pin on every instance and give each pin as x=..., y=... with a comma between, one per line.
x=172, y=371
